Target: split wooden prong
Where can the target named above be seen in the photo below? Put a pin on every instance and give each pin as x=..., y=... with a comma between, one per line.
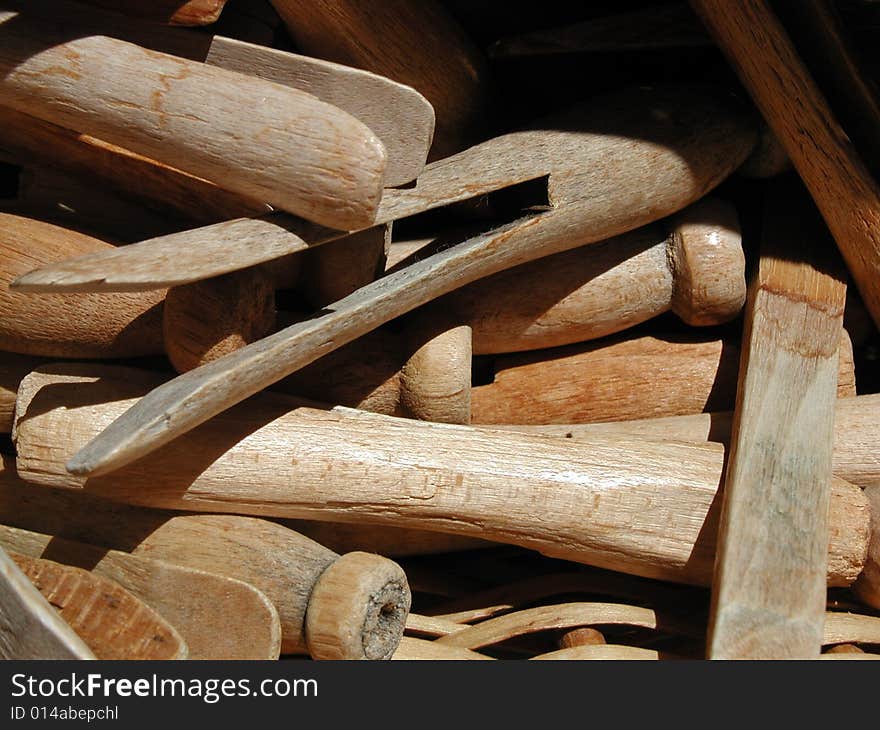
x=693, y=141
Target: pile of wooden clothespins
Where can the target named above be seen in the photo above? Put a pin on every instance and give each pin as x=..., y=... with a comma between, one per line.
x=421, y=329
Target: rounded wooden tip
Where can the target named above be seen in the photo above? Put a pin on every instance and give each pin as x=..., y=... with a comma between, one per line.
x=207, y=319
x=435, y=383
x=867, y=586
x=358, y=609
x=581, y=637
x=708, y=264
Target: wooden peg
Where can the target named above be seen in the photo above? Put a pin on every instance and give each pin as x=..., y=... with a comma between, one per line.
x=698, y=271
x=688, y=146
x=176, y=111
x=643, y=507
x=855, y=456
x=767, y=63
x=29, y=627
x=413, y=42
x=769, y=589
x=406, y=134
x=581, y=637
x=55, y=325
x=112, y=622
x=172, y=12
x=363, y=604
x=494, y=165
x=645, y=377
x=218, y=617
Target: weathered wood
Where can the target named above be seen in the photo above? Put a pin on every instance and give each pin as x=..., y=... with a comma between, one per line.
x=284, y=565
x=850, y=627
x=645, y=377
x=162, y=188
x=207, y=319
x=542, y=618
x=636, y=506
x=415, y=42
x=698, y=271
x=112, y=622
x=177, y=111
x=173, y=12
x=29, y=627
x=867, y=587
x=56, y=325
x=768, y=593
x=664, y=161
x=406, y=133
x=855, y=456
x=218, y=618
x=788, y=98
x=412, y=648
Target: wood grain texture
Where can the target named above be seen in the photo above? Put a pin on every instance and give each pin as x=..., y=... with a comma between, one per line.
x=29, y=627
x=614, y=652
x=207, y=319
x=854, y=456
x=218, y=618
x=173, y=12
x=641, y=507
x=406, y=134
x=762, y=54
x=175, y=110
x=13, y=368
x=415, y=42
x=644, y=377
x=113, y=623
x=542, y=618
x=56, y=325
x=284, y=565
x=414, y=649
x=768, y=594
x=698, y=271
x=691, y=140
x=181, y=197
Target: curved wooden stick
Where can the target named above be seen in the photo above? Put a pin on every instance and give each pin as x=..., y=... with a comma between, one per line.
x=632, y=505
x=693, y=145
x=615, y=652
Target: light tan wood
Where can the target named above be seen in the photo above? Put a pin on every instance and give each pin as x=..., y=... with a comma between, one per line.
x=615, y=652
x=542, y=618
x=170, y=192
x=358, y=608
x=698, y=271
x=29, y=627
x=854, y=457
x=431, y=625
x=842, y=628
x=563, y=158
x=56, y=325
x=690, y=143
x=768, y=64
x=415, y=42
x=435, y=382
x=173, y=12
x=636, y=506
x=13, y=368
x=412, y=648
x=218, y=617
x=651, y=376
x=207, y=319
x=112, y=622
x=867, y=587
x=176, y=110
x=769, y=589
x=581, y=637
x=286, y=566
x=406, y=134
